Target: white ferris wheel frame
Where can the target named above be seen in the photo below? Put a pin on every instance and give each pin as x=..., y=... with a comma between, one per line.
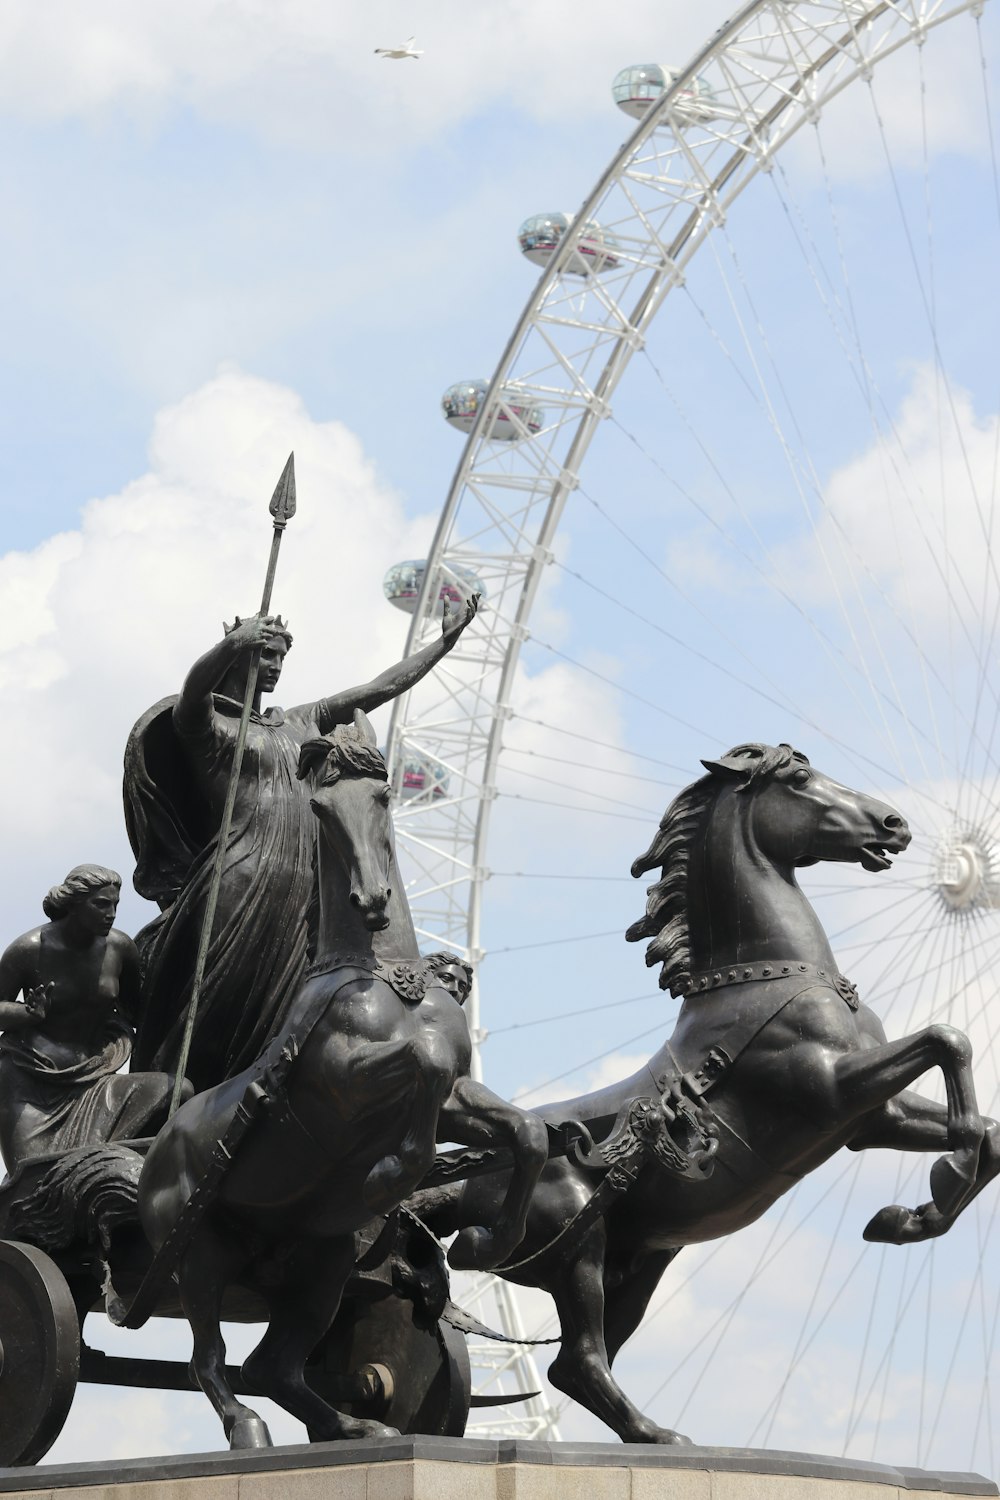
x=772, y=69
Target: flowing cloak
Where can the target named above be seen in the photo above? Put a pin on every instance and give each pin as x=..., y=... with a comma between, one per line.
x=258, y=950
x=45, y=1108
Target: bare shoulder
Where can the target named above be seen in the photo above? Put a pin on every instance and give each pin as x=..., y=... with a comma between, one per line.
x=122, y=946
x=19, y=960
x=25, y=946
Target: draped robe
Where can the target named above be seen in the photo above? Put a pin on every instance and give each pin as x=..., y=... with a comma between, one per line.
x=45, y=1107
x=174, y=776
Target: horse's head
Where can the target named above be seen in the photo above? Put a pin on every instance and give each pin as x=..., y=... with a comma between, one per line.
x=727, y=848
x=351, y=797
x=800, y=816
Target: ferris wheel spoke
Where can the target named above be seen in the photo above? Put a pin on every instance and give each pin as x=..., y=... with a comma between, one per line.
x=692, y=603
x=589, y=739
x=649, y=813
x=848, y=333
x=904, y=900
x=613, y=774
x=805, y=482
x=841, y=660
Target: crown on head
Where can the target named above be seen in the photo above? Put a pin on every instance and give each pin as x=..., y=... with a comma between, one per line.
x=278, y=627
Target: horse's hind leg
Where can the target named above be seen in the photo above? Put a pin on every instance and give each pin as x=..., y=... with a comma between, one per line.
x=302, y=1310
x=582, y=1368
x=211, y=1262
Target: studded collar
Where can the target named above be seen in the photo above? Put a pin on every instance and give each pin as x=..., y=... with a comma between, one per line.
x=706, y=980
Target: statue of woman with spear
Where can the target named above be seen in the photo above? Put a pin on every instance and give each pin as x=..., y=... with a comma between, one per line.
x=223, y=837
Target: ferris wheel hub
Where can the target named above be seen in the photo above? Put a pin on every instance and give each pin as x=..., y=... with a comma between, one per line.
x=967, y=870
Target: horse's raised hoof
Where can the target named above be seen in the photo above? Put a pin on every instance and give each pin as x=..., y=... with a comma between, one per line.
x=952, y=1180
x=897, y=1225
x=474, y=1249
x=249, y=1432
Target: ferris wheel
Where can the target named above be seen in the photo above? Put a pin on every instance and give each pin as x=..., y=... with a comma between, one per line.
x=856, y=603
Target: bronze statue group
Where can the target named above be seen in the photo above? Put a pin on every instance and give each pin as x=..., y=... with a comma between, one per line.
x=327, y=1056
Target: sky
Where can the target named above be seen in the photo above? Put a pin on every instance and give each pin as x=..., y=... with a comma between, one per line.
x=232, y=233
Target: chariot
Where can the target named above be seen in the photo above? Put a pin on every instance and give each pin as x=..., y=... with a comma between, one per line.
x=390, y=1354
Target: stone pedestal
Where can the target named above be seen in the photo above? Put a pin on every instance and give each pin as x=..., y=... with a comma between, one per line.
x=424, y=1468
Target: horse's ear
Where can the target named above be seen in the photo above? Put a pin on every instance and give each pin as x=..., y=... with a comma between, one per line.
x=365, y=731
x=312, y=755
x=736, y=765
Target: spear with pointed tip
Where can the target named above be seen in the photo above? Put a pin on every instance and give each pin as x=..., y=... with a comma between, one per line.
x=282, y=510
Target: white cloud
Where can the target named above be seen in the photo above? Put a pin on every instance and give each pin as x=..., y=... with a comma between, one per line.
x=305, y=71
x=108, y=618
x=911, y=510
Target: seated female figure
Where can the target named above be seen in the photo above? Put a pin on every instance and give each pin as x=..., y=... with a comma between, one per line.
x=64, y=1043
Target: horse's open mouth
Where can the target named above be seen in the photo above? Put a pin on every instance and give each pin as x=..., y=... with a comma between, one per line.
x=874, y=857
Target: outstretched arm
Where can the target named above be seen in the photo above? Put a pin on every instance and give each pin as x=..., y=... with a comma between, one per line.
x=339, y=709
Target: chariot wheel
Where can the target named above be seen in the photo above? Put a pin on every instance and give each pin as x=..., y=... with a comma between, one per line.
x=39, y=1353
x=418, y=1378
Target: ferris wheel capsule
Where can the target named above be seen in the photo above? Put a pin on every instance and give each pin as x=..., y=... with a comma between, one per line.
x=512, y=417
x=540, y=235
x=423, y=777
x=404, y=580
x=641, y=85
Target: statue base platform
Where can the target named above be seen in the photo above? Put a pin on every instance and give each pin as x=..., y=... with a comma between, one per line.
x=427, y=1468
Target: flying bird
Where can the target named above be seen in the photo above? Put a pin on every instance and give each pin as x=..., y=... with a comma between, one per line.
x=406, y=50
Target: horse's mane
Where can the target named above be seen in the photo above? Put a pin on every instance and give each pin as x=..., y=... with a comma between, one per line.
x=666, y=918
x=345, y=750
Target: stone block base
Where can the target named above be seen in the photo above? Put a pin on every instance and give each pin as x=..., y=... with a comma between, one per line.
x=423, y=1468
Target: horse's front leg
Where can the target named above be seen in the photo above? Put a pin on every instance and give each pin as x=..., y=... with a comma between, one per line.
x=473, y=1114
x=302, y=1310
x=210, y=1263
x=863, y=1080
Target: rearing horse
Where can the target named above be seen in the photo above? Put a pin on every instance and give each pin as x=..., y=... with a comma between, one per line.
x=771, y=1045
x=374, y=1061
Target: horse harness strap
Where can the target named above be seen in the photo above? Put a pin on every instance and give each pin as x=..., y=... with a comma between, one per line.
x=680, y=1122
x=409, y=978
x=264, y=1089
x=785, y=982
x=790, y=980
x=670, y=1130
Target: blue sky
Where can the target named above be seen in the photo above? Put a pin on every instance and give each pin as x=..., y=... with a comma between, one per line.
x=230, y=234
